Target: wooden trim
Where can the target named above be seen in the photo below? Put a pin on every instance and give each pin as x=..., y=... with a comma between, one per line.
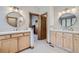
x=30, y=17
x=45, y=13
x=51, y=45
x=34, y=14
x=22, y=50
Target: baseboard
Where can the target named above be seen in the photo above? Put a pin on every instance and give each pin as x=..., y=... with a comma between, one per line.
x=51, y=45
x=32, y=47
x=48, y=42
x=22, y=50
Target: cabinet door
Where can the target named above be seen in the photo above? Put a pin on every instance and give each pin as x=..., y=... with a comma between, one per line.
x=76, y=45
x=0, y=46
x=68, y=42
x=5, y=46
x=13, y=45
x=59, y=39
x=23, y=42
x=53, y=38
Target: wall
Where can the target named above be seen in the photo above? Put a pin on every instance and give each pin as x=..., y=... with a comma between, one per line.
x=50, y=21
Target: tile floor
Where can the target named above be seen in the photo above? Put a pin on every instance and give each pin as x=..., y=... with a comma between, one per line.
x=42, y=47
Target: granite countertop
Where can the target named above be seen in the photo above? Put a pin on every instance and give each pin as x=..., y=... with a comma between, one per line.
x=59, y=30
x=12, y=32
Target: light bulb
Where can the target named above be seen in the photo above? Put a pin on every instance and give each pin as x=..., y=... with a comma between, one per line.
x=74, y=10
x=11, y=8
x=63, y=12
x=68, y=11
x=16, y=10
x=59, y=14
x=21, y=11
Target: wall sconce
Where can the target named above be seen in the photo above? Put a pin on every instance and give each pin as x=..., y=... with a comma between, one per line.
x=73, y=10
x=13, y=8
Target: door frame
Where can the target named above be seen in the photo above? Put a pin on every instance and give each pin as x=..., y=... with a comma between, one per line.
x=30, y=21
x=30, y=17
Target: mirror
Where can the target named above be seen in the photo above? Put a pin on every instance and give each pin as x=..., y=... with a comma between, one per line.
x=67, y=19
x=15, y=19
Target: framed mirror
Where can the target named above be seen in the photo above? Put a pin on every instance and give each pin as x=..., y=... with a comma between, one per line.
x=67, y=20
x=15, y=19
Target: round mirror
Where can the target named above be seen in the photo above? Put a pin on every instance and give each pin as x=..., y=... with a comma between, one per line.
x=15, y=19
x=67, y=19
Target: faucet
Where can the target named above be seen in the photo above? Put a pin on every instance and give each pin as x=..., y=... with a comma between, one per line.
x=71, y=29
x=16, y=29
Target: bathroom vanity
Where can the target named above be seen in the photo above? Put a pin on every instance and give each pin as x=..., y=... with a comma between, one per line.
x=14, y=41
x=67, y=40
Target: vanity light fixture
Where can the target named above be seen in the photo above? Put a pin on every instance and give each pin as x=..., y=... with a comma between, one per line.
x=66, y=10
x=13, y=8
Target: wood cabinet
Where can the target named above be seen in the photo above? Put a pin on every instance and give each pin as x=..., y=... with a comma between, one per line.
x=0, y=46
x=5, y=46
x=68, y=42
x=56, y=39
x=53, y=38
x=9, y=45
x=14, y=42
x=63, y=40
x=24, y=42
x=59, y=39
x=13, y=45
x=76, y=43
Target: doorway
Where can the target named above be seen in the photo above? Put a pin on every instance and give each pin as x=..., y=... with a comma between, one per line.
x=39, y=25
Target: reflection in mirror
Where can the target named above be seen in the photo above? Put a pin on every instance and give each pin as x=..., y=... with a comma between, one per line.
x=67, y=20
x=15, y=19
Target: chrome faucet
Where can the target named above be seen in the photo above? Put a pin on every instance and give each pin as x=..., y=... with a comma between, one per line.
x=71, y=29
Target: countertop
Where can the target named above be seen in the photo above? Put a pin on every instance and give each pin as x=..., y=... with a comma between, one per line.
x=12, y=32
x=59, y=30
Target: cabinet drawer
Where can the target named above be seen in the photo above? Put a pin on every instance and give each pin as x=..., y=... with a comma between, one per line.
x=17, y=35
x=76, y=35
x=4, y=37
x=67, y=35
x=28, y=33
